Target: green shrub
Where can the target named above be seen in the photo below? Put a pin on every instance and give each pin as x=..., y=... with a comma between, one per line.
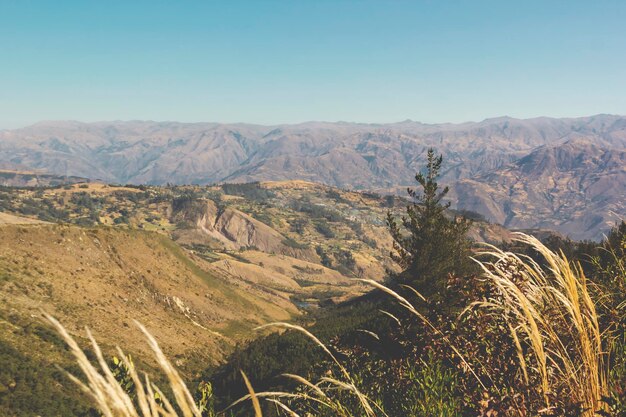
x=30, y=387
x=251, y=191
x=292, y=243
x=322, y=227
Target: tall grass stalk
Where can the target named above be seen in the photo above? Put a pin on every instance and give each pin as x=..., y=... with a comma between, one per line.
x=112, y=400
x=550, y=311
x=407, y=304
x=316, y=393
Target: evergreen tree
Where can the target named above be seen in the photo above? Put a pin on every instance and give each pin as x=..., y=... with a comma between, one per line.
x=428, y=243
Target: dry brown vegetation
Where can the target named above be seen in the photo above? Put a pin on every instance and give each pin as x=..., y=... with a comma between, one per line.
x=198, y=295
x=551, y=316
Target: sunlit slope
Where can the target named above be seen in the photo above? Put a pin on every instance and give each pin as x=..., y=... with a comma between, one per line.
x=105, y=278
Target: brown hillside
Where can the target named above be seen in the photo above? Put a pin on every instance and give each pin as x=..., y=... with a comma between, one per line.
x=105, y=278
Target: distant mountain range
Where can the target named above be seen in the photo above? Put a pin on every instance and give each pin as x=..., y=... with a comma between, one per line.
x=575, y=187
x=565, y=174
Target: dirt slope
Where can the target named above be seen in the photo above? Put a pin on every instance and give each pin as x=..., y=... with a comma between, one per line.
x=106, y=278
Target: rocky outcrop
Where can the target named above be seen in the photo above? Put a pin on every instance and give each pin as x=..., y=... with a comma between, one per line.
x=235, y=229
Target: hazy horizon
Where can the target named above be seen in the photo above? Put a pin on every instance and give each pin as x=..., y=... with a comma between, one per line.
x=309, y=121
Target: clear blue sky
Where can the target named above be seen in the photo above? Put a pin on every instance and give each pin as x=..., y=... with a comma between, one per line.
x=291, y=61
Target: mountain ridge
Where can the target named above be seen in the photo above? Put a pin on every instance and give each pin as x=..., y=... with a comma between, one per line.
x=578, y=185
x=378, y=157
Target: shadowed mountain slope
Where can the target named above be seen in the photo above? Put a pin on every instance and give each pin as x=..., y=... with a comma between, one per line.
x=576, y=188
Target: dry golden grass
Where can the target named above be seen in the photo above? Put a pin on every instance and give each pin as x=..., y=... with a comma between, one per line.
x=7, y=218
x=112, y=400
x=106, y=277
x=551, y=311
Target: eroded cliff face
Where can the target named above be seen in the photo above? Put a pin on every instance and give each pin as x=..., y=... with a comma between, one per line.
x=232, y=229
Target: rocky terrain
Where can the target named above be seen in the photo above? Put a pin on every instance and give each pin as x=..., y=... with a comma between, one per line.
x=200, y=267
x=294, y=240
x=577, y=188
x=233, y=229
x=379, y=157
